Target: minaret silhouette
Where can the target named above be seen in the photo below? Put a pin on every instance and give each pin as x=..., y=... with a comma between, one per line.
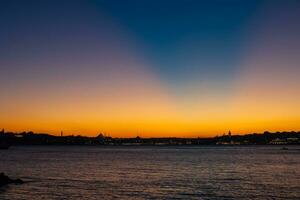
x=229, y=135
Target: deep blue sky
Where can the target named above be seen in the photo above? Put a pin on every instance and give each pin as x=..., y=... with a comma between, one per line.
x=184, y=37
x=181, y=39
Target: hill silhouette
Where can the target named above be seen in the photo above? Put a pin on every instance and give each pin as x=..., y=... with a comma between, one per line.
x=31, y=138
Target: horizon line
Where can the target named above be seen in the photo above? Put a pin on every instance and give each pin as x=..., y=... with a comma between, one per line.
x=138, y=136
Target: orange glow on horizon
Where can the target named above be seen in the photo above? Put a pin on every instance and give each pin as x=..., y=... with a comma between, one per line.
x=110, y=87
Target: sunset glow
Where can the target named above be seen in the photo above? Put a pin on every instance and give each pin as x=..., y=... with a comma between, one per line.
x=89, y=67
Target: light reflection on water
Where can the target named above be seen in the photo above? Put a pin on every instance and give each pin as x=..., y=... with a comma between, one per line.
x=82, y=172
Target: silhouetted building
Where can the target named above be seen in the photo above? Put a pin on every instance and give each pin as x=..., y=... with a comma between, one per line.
x=101, y=138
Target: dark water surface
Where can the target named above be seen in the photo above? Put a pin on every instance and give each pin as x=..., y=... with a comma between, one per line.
x=83, y=172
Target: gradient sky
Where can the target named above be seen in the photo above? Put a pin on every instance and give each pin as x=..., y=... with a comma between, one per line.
x=150, y=68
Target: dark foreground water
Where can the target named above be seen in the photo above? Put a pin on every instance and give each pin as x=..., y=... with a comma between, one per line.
x=81, y=172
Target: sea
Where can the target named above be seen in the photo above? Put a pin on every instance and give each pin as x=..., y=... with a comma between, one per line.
x=152, y=172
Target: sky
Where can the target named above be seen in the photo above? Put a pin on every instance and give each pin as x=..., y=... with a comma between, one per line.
x=150, y=68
